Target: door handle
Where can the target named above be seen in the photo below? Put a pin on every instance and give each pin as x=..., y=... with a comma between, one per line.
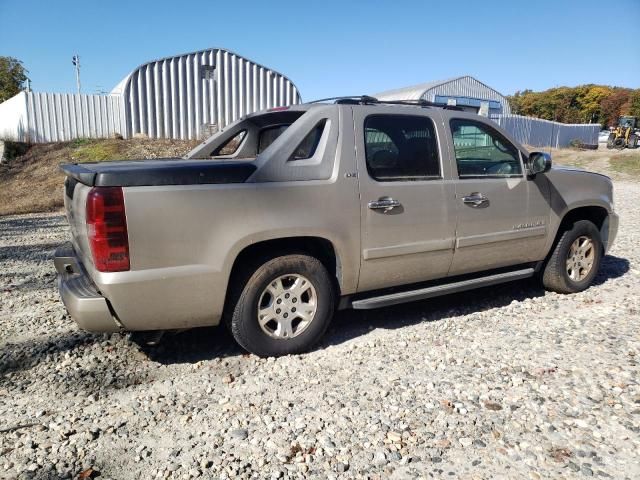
x=476, y=200
x=386, y=204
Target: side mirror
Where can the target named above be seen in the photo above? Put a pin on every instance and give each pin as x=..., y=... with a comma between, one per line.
x=539, y=162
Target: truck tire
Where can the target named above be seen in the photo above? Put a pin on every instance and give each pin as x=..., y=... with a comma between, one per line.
x=610, y=140
x=633, y=141
x=619, y=143
x=575, y=260
x=284, y=307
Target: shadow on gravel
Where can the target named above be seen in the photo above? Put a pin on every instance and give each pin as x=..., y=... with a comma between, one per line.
x=207, y=343
x=19, y=226
x=349, y=324
x=16, y=356
x=198, y=344
x=36, y=253
x=611, y=268
x=194, y=345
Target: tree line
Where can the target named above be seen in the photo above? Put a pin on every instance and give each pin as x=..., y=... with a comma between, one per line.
x=13, y=77
x=583, y=104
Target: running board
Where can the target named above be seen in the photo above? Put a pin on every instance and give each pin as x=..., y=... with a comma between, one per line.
x=429, y=292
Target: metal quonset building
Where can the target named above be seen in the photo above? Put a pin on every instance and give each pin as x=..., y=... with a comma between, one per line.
x=465, y=92
x=189, y=95
x=185, y=96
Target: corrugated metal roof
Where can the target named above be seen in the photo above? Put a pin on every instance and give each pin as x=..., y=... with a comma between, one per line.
x=183, y=95
x=465, y=86
x=413, y=92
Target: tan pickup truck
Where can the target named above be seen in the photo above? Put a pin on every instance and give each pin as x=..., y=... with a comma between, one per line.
x=288, y=214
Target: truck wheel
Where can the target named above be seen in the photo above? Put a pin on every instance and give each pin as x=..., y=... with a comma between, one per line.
x=575, y=261
x=284, y=307
x=619, y=143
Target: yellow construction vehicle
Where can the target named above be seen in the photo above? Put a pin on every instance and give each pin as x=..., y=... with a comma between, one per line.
x=625, y=135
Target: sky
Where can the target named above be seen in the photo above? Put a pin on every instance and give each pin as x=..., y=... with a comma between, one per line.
x=331, y=48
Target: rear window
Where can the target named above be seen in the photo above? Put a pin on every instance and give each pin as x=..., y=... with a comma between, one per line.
x=270, y=135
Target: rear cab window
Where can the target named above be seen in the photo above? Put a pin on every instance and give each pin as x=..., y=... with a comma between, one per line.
x=401, y=148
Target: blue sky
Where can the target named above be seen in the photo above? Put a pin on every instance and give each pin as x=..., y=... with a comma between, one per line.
x=334, y=47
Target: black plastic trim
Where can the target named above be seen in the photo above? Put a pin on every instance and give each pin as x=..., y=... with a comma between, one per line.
x=437, y=290
x=159, y=172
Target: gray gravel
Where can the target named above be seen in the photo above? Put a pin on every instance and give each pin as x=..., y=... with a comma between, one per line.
x=507, y=382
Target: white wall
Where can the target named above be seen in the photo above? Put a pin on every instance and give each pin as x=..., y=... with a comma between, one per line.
x=59, y=117
x=13, y=118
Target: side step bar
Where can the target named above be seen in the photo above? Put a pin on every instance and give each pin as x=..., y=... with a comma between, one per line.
x=429, y=292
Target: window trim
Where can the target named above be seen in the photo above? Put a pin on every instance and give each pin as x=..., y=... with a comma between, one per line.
x=412, y=180
x=319, y=124
x=500, y=136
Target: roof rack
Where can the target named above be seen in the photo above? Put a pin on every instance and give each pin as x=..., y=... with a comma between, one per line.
x=368, y=100
x=349, y=99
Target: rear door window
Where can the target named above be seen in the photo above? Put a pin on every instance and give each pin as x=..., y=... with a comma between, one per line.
x=401, y=148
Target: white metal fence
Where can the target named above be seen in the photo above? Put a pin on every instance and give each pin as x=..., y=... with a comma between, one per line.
x=56, y=117
x=544, y=133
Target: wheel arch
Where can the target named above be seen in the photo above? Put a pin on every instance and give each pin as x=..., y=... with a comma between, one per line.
x=257, y=253
x=596, y=214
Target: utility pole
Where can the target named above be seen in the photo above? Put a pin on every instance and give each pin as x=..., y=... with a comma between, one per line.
x=76, y=62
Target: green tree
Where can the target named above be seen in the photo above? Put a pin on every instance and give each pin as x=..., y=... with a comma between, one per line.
x=634, y=104
x=612, y=106
x=12, y=77
x=582, y=104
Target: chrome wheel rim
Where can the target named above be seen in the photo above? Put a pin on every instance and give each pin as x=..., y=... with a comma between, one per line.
x=287, y=306
x=580, y=258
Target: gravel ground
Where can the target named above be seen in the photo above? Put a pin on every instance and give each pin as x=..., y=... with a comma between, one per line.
x=506, y=382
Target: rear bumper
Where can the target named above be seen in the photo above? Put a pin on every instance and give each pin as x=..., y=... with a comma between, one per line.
x=87, y=307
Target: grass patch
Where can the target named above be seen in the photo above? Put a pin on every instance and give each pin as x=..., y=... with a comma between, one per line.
x=84, y=150
x=628, y=163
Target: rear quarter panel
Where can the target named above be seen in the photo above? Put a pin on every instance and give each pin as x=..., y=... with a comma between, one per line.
x=183, y=240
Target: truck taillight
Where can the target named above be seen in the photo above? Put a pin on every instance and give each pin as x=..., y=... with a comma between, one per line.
x=107, y=229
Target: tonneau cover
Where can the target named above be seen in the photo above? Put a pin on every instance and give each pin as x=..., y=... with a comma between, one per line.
x=170, y=171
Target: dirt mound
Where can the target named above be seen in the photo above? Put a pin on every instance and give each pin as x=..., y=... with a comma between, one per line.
x=32, y=182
